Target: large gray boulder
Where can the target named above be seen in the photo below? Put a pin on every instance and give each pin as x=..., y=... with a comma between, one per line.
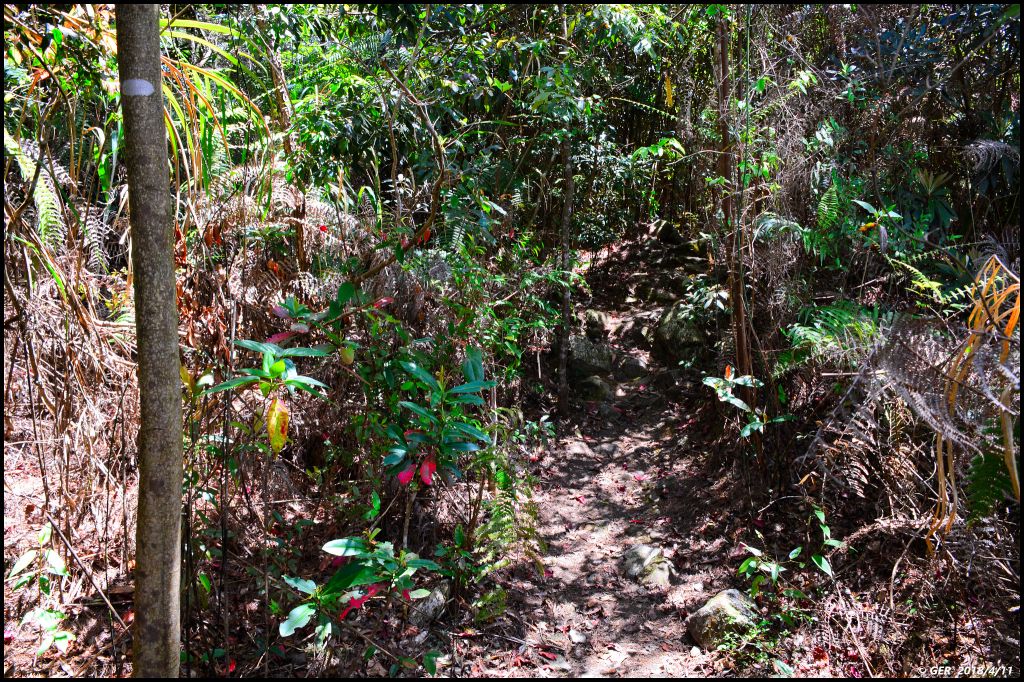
x=727, y=612
x=587, y=358
x=678, y=335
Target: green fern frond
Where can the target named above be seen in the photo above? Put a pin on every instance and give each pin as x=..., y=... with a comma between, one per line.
x=49, y=218
x=841, y=332
x=770, y=225
x=934, y=289
x=828, y=208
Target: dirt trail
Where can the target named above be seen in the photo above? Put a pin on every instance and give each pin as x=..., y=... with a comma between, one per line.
x=632, y=471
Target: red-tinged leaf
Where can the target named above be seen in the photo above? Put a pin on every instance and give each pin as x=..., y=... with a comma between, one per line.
x=323, y=228
x=728, y=371
x=548, y=655
x=636, y=520
x=427, y=470
x=8, y=636
x=759, y=522
x=357, y=602
x=381, y=302
x=280, y=311
x=405, y=595
x=231, y=665
x=339, y=561
x=405, y=477
x=582, y=499
x=280, y=337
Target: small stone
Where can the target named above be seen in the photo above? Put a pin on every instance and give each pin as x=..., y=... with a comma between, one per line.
x=431, y=607
x=597, y=324
x=648, y=565
x=695, y=651
x=594, y=388
x=729, y=611
x=632, y=367
x=577, y=637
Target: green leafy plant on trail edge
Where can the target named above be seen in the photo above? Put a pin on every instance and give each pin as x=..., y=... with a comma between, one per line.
x=444, y=426
x=759, y=568
x=35, y=567
x=756, y=418
x=761, y=643
x=368, y=570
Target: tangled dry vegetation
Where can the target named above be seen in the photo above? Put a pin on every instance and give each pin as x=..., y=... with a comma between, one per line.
x=885, y=345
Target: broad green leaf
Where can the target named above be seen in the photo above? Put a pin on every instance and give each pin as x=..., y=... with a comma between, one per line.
x=62, y=640
x=259, y=347
x=395, y=457
x=349, y=576
x=418, y=410
x=303, y=353
x=23, y=561
x=297, y=618
x=470, y=431
x=346, y=547
x=301, y=385
x=468, y=399
x=472, y=387
x=345, y=293
x=462, y=446
x=421, y=374
x=300, y=584
x=55, y=564
x=430, y=661
x=424, y=563
x=822, y=563
x=232, y=383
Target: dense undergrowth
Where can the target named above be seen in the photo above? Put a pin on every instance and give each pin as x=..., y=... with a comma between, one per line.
x=380, y=215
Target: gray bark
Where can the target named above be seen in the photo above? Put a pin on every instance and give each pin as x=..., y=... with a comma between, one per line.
x=157, y=634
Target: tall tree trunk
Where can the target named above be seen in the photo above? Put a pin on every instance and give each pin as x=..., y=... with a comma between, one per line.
x=567, y=197
x=157, y=635
x=726, y=164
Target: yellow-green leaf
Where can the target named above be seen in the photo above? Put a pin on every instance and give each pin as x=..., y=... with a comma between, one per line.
x=277, y=424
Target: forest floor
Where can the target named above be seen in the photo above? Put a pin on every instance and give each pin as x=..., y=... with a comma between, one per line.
x=648, y=466
x=637, y=469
